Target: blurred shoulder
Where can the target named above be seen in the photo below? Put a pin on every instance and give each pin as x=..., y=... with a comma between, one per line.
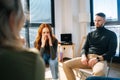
x=33, y=51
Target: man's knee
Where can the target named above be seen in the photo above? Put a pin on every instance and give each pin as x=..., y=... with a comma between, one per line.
x=99, y=73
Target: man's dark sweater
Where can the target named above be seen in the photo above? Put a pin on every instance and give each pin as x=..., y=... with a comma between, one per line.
x=102, y=42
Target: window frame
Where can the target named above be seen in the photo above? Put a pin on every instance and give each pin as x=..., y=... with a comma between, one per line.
x=52, y=15
x=107, y=22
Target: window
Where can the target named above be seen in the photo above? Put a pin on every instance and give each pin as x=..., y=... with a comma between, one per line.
x=110, y=7
x=42, y=11
x=112, y=10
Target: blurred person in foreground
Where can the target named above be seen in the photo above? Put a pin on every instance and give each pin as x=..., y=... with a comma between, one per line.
x=99, y=47
x=16, y=62
x=47, y=44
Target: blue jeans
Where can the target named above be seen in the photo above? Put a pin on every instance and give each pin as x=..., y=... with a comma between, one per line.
x=101, y=78
x=53, y=65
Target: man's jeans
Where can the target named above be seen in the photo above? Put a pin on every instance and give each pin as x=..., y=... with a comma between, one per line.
x=53, y=65
x=101, y=78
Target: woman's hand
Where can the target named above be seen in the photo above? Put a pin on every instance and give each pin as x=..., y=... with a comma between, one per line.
x=50, y=41
x=43, y=40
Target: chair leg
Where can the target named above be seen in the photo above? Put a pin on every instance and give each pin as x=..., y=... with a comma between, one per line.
x=83, y=76
x=109, y=67
x=80, y=74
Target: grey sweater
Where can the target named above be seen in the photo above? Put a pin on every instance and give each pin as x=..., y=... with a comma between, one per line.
x=51, y=50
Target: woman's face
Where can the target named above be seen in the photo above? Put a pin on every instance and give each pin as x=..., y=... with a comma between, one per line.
x=45, y=32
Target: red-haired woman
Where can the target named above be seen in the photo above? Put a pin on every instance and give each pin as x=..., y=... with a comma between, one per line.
x=47, y=44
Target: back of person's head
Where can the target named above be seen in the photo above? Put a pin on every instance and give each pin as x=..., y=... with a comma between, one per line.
x=101, y=15
x=11, y=21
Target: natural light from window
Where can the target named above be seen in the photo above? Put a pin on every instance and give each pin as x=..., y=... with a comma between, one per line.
x=40, y=11
x=110, y=10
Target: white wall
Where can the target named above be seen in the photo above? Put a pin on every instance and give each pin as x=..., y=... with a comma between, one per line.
x=72, y=16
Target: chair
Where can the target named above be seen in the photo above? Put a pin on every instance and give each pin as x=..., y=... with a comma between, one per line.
x=81, y=44
x=109, y=66
x=84, y=73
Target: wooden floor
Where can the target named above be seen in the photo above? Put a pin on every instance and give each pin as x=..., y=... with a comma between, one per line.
x=114, y=72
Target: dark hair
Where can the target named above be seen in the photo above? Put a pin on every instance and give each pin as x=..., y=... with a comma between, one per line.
x=101, y=15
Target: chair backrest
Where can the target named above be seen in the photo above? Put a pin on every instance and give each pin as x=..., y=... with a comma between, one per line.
x=81, y=44
x=109, y=66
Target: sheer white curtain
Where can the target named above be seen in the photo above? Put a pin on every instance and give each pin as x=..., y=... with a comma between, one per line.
x=109, y=7
x=40, y=11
